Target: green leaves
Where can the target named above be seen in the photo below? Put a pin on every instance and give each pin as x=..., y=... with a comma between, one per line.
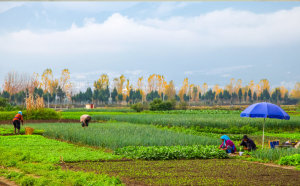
x=293, y=160
x=171, y=152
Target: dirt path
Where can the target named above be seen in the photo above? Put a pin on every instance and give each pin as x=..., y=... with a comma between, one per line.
x=5, y=182
x=273, y=165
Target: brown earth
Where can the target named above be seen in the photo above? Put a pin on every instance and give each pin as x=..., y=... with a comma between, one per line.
x=5, y=182
x=192, y=172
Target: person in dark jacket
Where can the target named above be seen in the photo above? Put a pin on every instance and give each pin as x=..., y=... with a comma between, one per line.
x=248, y=143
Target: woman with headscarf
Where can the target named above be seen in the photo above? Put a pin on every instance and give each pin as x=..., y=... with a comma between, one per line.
x=227, y=144
x=17, y=121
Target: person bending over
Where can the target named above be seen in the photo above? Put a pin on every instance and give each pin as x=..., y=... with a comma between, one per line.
x=85, y=119
x=227, y=144
x=17, y=121
x=248, y=143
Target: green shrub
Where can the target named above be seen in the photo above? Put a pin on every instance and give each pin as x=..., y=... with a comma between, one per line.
x=158, y=104
x=293, y=160
x=172, y=152
x=43, y=114
x=137, y=107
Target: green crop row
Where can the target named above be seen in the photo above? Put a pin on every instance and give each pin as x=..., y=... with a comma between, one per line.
x=33, y=160
x=99, y=110
x=117, y=135
x=173, y=152
x=213, y=121
x=274, y=154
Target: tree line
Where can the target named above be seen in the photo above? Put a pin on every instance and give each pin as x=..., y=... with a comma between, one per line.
x=121, y=91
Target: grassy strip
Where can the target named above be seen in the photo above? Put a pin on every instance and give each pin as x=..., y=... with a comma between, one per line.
x=99, y=110
x=76, y=115
x=173, y=152
x=32, y=160
x=117, y=135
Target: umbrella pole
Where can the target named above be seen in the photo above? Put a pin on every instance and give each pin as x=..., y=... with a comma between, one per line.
x=263, y=137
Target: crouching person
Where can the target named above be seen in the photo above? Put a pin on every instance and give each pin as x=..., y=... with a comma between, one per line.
x=17, y=121
x=248, y=143
x=85, y=119
x=227, y=144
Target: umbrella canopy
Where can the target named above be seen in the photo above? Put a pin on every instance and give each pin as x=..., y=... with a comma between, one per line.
x=265, y=110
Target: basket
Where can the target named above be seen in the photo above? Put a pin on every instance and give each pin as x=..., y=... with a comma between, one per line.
x=28, y=131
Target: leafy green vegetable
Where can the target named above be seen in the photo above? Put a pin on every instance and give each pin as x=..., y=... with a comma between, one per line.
x=172, y=152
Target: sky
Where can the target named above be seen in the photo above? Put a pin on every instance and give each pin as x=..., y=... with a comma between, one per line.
x=209, y=42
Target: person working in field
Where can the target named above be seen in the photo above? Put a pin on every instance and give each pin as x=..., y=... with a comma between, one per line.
x=85, y=119
x=248, y=143
x=17, y=121
x=227, y=144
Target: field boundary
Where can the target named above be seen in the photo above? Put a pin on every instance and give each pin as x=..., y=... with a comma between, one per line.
x=273, y=165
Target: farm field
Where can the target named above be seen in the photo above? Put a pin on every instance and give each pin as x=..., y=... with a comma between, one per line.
x=192, y=172
x=148, y=148
x=33, y=160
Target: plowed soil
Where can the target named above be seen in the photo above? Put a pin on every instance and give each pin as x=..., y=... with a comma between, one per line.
x=192, y=172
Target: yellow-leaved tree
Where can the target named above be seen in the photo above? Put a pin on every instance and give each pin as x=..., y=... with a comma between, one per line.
x=102, y=82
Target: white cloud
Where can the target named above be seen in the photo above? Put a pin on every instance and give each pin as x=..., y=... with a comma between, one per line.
x=6, y=6
x=226, y=28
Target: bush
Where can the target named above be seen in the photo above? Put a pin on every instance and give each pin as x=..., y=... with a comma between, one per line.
x=3, y=102
x=43, y=114
x=293, y=160
x=137, y=107
x=158, y=104
x=183, y=105
x=171, y=152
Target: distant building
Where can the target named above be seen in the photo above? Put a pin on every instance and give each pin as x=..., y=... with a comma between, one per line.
x=89, y=106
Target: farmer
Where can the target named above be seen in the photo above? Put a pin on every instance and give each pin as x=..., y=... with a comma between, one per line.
x=85, y=119
x=227, y=144
x=17, y=121
x=248, y=143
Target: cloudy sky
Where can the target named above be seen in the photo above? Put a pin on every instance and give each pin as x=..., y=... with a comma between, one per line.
x=208, y=42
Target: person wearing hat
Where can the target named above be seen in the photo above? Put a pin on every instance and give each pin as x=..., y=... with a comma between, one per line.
x=85, y=119
x=248, y=143
x=17, y=121
x=227, y=144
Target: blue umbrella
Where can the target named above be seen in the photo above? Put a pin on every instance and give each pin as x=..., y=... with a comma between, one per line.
x=265, y=110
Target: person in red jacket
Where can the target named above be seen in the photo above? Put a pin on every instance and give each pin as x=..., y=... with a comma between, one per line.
x=17, y=121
